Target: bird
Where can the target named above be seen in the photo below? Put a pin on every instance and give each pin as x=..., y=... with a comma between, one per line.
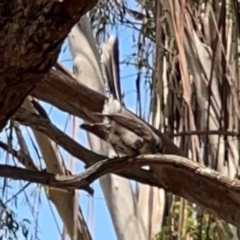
x=126, y=133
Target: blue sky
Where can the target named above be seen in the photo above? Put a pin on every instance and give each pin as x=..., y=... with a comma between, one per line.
x=94, y=208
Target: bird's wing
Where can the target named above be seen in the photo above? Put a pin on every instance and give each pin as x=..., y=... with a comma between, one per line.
x=133, y=125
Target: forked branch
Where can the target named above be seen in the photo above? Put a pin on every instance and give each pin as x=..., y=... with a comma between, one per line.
x=216, y=193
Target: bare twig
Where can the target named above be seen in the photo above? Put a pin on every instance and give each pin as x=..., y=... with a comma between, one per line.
x=23, y=158
x=207, y=132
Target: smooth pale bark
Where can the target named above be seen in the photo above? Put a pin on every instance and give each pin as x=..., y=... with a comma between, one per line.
x=199, y=61
x=152, y=200
x=117, y=191
x=63, y=201
x=200, y=65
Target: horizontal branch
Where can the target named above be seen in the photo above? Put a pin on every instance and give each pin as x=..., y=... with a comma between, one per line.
x=205, y=132
x=45, y=126
x=209, y=189
x=41, y=177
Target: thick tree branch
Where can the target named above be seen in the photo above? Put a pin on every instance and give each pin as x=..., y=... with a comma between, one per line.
x=213, y=192
x=64, y=92
x=44, y=126
x=207, y=188
x=29, y=50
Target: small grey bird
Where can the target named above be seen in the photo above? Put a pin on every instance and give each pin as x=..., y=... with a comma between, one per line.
x=127, y=134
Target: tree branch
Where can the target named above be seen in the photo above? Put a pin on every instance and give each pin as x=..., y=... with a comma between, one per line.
x=65, y=93
x=44, y=126
x=191, y=182
x=209, y=189
x=82, y=101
